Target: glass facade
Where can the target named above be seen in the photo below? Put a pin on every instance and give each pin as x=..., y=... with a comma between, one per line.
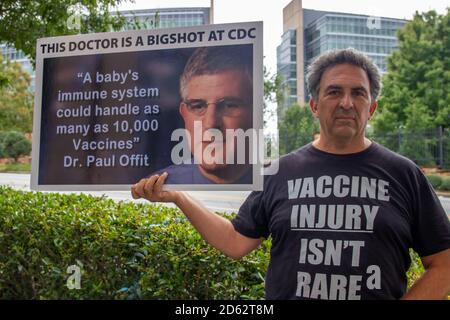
x=325, y=31
x=339, y=31
x=287, y=67
x=149, y=19
x=167, y=18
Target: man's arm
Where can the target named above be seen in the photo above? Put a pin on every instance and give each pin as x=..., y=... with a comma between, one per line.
x=215, y=229
x=434, y=284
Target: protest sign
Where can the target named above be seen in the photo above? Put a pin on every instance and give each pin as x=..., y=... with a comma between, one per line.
x=109, y=109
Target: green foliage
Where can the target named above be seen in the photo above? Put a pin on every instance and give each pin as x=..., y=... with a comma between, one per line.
x=439, y=182
x=23, y=22
x=423, y=146
x=416, y=89
x=435, y=181
x=3, y=79
x=297, y=128
x=15, y=167
x=272, y=93
x=415, y=269
x=125, y=250
x=16, y=101
x=272, y=87
x=14, y=144
x=418, y=150
x=445, y=186
x=137, y=23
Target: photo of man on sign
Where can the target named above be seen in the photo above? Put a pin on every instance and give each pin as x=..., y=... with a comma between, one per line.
x=216, y=89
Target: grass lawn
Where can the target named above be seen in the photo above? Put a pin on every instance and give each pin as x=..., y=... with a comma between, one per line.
x=15, y=167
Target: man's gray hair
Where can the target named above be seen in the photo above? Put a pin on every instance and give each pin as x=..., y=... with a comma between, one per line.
x=335, y=57
x=213, y=60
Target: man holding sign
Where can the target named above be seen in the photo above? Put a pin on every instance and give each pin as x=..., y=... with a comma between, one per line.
x=342, y=211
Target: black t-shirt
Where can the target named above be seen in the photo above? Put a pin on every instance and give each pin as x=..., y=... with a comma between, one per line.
x=342, y=225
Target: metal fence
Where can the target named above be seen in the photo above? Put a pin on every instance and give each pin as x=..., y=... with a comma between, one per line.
x=427, y=148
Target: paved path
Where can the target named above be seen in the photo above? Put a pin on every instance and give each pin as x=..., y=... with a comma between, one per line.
x=222, y=201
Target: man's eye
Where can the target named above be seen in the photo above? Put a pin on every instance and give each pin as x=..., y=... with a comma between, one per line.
x=333, y=92
x=197, y=105
x=230, y=104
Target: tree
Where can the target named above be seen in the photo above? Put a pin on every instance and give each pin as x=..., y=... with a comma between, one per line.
x=23, y=22
x=16, y=101
x=297, y=128
x=416, y=89
x=272, y=93
x=415, y=99
x=14, y=144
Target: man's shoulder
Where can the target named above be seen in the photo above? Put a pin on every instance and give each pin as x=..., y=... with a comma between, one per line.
x=296, y=155
x=287, y=165
x=392, y=158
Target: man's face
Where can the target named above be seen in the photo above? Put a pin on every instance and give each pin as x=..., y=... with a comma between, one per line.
x=344, y=105
x=218, y=101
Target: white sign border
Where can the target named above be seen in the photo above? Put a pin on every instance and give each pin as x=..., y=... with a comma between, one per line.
x=258, y=99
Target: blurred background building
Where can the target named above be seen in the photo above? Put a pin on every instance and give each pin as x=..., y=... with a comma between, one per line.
x=308, y=33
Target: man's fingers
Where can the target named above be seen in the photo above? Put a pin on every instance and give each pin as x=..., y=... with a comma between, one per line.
x=149, y=186
x=159, y=183
x=133, y=192
x=137, y=191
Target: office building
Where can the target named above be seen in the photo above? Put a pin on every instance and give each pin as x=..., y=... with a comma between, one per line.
x=309, y=33
x=167, y=17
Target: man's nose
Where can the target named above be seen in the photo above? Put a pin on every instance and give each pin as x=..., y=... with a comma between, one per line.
x=346, y=101
x=213, y=117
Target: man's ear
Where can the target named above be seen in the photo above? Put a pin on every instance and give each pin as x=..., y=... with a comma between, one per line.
x=372, y=108
x=313, y=106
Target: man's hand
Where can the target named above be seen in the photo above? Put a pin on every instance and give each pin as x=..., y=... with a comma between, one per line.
x=215, y=229
x=151, y=189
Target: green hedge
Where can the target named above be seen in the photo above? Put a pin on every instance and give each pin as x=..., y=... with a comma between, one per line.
x=445, y=186
x=125, y=251
x=14, y=144
x=439, y=182
x=435, y=181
